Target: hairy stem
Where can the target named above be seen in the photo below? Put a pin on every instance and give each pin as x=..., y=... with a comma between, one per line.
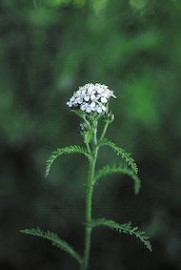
x=88, y=215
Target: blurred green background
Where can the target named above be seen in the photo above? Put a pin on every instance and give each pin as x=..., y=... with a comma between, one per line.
x=47, y=49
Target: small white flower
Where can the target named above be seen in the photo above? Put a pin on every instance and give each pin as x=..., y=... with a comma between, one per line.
x=78, y=93
x=93, y=104
x=106, y=94
x=104, y=108
x=100, y=90
x=88, y=109
x=103, y=100
x=91, y=98
x=83, y=91
x=69, y=104
x=83, y=107
x=86, y=98
x=72, y=99
x=99, y=109
x=79, y=100
x=91, y=90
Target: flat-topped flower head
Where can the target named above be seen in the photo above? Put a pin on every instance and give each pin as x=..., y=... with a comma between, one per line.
x=91, y=98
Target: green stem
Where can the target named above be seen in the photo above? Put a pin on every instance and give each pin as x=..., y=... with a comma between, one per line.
x=88, y=148
x=104, y=130
x=88, y=216
x=88, y=219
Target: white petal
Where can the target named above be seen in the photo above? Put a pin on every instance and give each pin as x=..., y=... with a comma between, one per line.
x=79, y=100
x=93, y=97
x=86, y=98
x=106, y=94
x=103, y=99
x=83, y=107
x=100, y=90
x=90, y=90
x=69, y=104
x=88, y=110
x=72, y=98
x=92, y=105
x=83, y=92
x=98, y=96
x=99, y=109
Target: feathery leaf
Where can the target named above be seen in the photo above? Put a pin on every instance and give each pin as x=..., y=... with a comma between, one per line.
x=55, y=240
x=108, y=170
x=123, y=228
x=72, y=149
x=121, y=152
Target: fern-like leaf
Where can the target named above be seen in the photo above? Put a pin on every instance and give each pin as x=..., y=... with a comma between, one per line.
x=124, y=228
x=121, y=152
x=55, y=240
x=108, y=170
x=72, y=149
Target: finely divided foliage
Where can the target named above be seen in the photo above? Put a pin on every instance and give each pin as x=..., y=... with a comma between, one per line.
x=91, y=104
x=123, y=228
x=55, y=240
x=115, y=169
x=72, y=149
x=121, y=152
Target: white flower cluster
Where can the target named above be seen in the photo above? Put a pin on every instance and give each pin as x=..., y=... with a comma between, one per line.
x=91, y=98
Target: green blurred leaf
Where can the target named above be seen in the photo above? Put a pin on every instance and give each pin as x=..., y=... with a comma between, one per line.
x=98, y=5
x=58, y=3
x=141, y=99
x=138, y=4
x=41, y=16
x=79, y=3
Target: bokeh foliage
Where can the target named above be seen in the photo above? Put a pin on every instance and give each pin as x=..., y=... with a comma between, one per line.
x=47, y=49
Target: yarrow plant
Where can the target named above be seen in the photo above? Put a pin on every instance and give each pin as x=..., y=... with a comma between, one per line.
x=91, y=104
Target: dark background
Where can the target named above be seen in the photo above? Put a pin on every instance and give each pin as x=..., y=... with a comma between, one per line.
x=47, y=49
